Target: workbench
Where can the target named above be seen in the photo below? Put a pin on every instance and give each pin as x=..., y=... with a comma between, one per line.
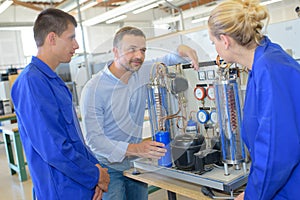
x=7, y=117
x=172, y=185
x=12, y=141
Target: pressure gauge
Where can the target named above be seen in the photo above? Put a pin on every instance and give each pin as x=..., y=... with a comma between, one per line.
x=210, y=92
x=199, y=93
x=202, y=116
x=213, y=116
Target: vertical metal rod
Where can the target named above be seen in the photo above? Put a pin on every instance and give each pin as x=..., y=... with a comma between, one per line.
x=220, y=122
x=83, y=42
x=226, y=169
x=180, y=12
x=244, y=167
x=150, y=107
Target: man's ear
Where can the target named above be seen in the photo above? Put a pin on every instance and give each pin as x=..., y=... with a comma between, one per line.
x=116, y=52
x=51, y=37
x=226, y=41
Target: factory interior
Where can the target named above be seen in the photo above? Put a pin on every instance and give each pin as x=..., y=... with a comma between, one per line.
x=201, y=165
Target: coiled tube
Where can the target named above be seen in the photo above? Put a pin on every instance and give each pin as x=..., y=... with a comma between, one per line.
x=229, y=118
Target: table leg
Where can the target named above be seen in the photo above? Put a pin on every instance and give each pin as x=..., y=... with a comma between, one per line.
x=9, y=152
x=20, y=158
x=171, y=195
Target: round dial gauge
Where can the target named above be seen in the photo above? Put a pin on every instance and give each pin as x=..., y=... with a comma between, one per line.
x=202, y=116
x=210, y=92
x=213, y=116
x=199, y=93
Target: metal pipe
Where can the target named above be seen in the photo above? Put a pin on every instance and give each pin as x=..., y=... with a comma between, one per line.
x=180, y=12
x=83, y=42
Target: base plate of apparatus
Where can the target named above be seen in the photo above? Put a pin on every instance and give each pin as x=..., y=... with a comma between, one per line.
x=213, y=178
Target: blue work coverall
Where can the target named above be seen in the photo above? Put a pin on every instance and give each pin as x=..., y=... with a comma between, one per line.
x=60, y=165
x=272, y=124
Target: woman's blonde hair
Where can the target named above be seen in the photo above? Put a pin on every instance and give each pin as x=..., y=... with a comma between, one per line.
x=239, y=19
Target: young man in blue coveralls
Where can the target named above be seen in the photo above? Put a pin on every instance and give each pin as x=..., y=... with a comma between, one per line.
x=60, y=165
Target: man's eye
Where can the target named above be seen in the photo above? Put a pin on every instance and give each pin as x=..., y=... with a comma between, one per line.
x=132, y=50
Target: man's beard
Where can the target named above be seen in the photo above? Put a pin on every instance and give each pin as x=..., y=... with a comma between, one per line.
x=132, y=69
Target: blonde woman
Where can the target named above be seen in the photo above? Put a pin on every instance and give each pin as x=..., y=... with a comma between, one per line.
x=271, y=122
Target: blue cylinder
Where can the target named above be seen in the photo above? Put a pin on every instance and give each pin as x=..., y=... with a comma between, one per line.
x=191, y=127
x=164, y=137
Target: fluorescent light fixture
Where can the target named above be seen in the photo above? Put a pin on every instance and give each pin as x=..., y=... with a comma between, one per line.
x=87, y=6
x=202, y=19
x=269, y=2
x=128, y=7
x=162, y=26
x=117, y=3
x=200, y=10
x=116, y=19
x=145, y=8
x=5, y=5
x=70, y=5
x=15, y=28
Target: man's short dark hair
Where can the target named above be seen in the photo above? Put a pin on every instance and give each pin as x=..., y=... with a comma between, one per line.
x=127, y=30
x=51, y=20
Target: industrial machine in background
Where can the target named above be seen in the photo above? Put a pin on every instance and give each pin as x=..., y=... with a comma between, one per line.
x=6, y=81
x=197, y=114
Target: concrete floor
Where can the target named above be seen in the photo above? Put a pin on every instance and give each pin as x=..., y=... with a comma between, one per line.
x=12, y=189
x=10, y=186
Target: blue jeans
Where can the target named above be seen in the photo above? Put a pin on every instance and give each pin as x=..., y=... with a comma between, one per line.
x=123, y=188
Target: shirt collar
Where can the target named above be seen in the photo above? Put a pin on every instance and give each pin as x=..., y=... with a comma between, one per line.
x=43, y=67
x=108, y=72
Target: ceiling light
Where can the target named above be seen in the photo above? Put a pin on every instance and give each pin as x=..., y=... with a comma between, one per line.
x=198, y=20
x=200, y=10
x=5, y=5
x=269, y=2
x=70, y=5
x=128, y=7
x=162, y=26
x=87, y=6
x=116, y=19
x=145, y=8
x=118, y=3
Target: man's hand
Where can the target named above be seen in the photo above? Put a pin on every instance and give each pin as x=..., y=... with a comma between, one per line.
x=146, y=149
x=186, y=51
x=104, y=179
x=98, y=193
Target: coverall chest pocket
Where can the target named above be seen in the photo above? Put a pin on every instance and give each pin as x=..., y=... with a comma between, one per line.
x=70, y=128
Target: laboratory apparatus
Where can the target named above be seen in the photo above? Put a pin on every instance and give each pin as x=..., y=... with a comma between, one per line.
x=198, y=115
